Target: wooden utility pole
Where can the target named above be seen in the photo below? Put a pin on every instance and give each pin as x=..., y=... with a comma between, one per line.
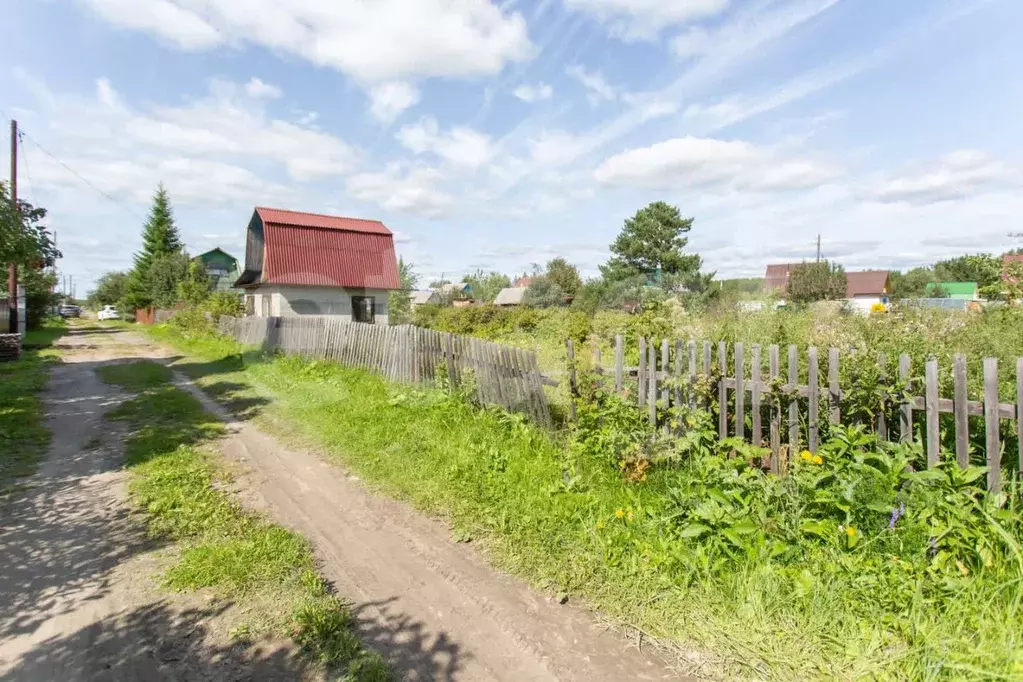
x=12, y=269
x=818, y=248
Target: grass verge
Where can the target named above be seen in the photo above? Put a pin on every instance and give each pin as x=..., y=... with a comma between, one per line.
x=23, y=434
x=225, y=548
x=573, y=525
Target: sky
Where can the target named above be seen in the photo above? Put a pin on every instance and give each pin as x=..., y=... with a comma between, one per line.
x=492, y=135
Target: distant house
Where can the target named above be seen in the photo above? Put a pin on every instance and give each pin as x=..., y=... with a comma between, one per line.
x=425, y=297
x=867, y=288
x=510, y=296
x=221, y=267
x=960, y=291
x=310, y=264
x=776, y=278
x=456, y=290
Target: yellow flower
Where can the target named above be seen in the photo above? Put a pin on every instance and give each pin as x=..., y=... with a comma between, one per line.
x=817, y=459
x=600, y=524
x=619, y=513
x=850, y=531
x=806, y=456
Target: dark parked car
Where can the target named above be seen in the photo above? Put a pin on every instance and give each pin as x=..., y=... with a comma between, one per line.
x=68, y=310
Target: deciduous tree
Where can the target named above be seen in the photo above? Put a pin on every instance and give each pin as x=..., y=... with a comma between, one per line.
x=821, y=281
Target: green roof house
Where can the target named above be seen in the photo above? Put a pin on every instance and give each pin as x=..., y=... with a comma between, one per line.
x=960, y=291
x=222, y=268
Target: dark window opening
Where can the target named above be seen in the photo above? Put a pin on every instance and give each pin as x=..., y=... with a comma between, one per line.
x=364, y=309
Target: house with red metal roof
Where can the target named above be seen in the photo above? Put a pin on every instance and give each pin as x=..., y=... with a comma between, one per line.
x=300, y=263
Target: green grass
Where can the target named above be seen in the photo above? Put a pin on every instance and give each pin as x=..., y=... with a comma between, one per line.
x=23, y=434
x=235, y=553
x=552, y=518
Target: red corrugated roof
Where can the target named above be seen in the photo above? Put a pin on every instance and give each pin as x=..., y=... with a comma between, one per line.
x=326, y=222
x=317, y=250
x=776, y=278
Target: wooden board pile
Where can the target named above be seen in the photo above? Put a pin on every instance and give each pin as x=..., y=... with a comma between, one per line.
x=10, y=347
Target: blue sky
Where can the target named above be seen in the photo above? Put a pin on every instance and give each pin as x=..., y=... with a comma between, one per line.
x=493, y=135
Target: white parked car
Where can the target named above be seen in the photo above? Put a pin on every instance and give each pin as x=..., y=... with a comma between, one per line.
x=109, y=312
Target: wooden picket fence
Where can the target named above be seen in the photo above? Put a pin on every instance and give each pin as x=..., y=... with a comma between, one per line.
x=750, y=387
x=500, y=375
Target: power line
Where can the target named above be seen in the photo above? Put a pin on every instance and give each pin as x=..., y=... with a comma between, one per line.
x=72, y=171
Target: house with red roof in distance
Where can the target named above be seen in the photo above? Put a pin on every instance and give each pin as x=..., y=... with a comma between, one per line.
x=300, y=263
x=867, y=288
x=776, y=278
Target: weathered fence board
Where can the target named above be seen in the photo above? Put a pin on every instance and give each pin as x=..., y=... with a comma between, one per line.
x=508, y=377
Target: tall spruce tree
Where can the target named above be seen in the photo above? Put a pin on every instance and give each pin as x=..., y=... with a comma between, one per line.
x=160, y=238
x=160, y=235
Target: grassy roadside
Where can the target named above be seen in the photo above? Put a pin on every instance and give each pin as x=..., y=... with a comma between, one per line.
x=23, y=434
x=175, y=478
x=572, y=525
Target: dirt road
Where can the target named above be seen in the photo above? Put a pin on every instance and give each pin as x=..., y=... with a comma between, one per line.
x=431, y=606
x=79, y=598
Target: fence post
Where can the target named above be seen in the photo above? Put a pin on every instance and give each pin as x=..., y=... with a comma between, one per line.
x=906, y=411
x=722, y=391
x=692, y=374
x=813, y=379
x=994, y=446
x=573, y=390
x=931, y=412
x=704, y=400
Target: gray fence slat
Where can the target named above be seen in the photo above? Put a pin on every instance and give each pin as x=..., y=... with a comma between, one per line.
x=619, y=361
x=931, y=413
x=706, y=370
x=793, y=367
x=740, y=392
x=758, y=438
x=641, y=374
x=692, y=373
x=882, y=418
x=1019, y=412
x=722, y=391
x=665, y=392
x=651, y=366
x=813, y=401
x=960, y=405
x=993, y=439
x=774, y=368
x=834, y=391
x=572, y=387
x=906, y=411
x=679, y=372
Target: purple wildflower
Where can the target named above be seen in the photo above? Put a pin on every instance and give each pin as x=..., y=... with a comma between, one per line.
x=897, y=514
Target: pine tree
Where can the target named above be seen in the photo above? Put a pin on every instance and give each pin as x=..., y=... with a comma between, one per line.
x=160, y=239
x=160, y=235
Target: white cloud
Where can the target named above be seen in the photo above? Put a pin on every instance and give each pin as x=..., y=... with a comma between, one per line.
x=597, y=88
x=404, y=190
x=258, y=88
x=710, y=163
x=372, y=41
x=461, y=146
x=636, y=19
x=557, y=148
x=388, y=100
x=534, y=93
x=959, y=175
